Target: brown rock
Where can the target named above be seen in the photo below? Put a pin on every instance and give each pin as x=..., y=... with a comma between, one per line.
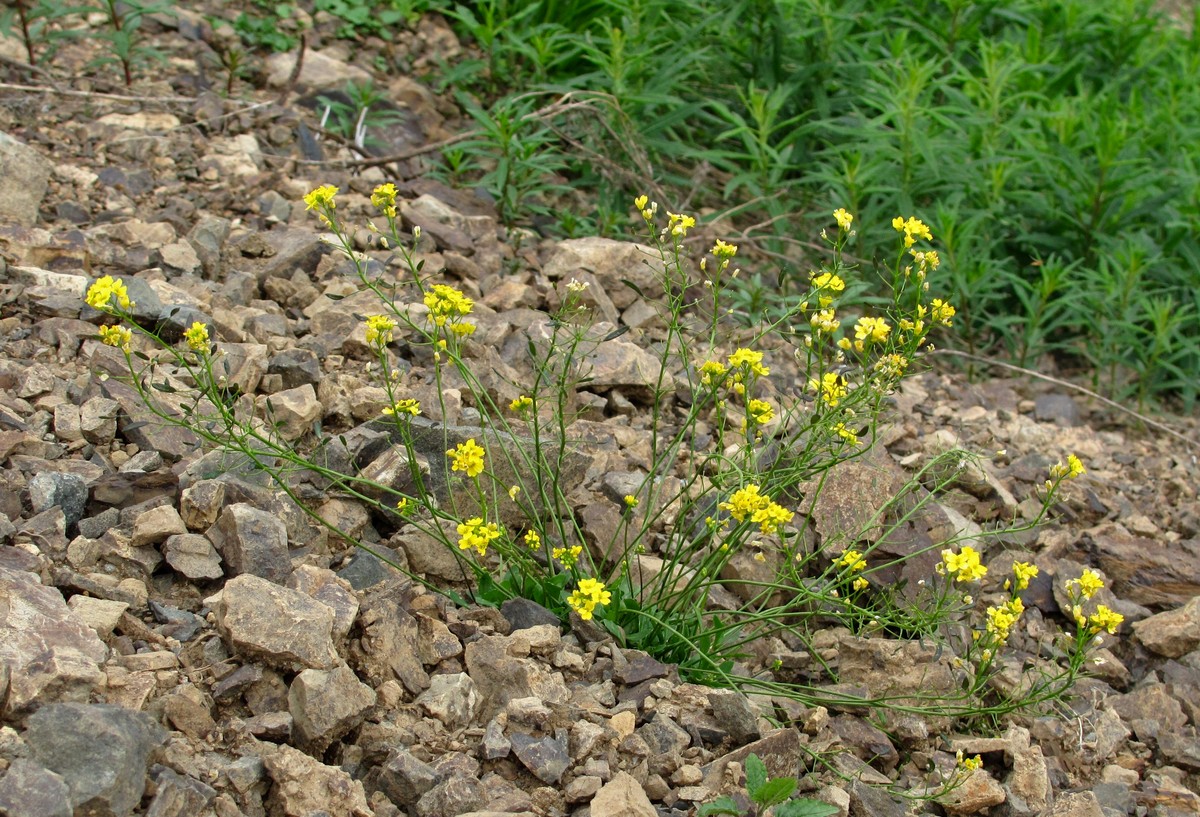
x=282, y=626
x=304, y=786
x=622, y=797
x=1173, y=633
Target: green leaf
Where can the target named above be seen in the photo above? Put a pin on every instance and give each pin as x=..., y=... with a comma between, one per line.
x=774, y=791
x=756, y=775
x=805, y=807
x=722, y=805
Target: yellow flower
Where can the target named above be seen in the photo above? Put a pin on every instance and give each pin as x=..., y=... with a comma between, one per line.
x=631, y=501
x=824, y=321
x=408, y=406
x=749, y=358
x=321, y=198
x=403, y=507
x=446, y=303
x=532, y=540
x=970, y=764
x=1105, y=619
x=101, y=292
x=680, y=224
x=710, y=370
x=845, y=433
x=852, y=559
x=941, y=312
x=760, y=411
x=891, y=366
x=567, y=556
x=117, y=336
x=1072, y=469
x=1001, y=619
x=197, y=336
x=1023, y=572
x=860, y=584
x=843, y=218
x=468, y=458
x=745, y=502
x=463, y=328
x=641, y=201
x=771, y=517
x=475, y=534
x=831, y=388
x=379, y=329
x=723, y=250
x=384, y=197
x=874, y=330
x=1089, y=583
x=964, y=565
x=589, y=594
x=513, y=492
x=913, y=229
x=520, y=404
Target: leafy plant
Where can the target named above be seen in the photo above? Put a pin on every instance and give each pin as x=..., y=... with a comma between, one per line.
x=34, y=21
x=771, y=795
x=126, y=46
x=363, y=18
x=359, y=114
x=263, y=28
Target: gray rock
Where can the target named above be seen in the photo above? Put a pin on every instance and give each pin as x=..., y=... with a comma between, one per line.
x=297, y=367
x=368, y=569
x=293, y=411
x=1076, y=804
x=502, y=676
x=68, y=491
x=282, y=626
x=193, y=556
x=664, y=736
x=304, y=787
x=252, y=541
x=455, y=795
x=178, y=796
x=325, y=705
x=51, y=655
x=621, y=363
x=389, y=643
x=201, y=503
x=207, y=238
x=451, y=698
x=1150, y=710
x=24, y=174
x=1058, y=409
x=1173, y=633
x=611, y=262
x=31, y=790
x=404, y=779
x=98, y=420
x=323, y=585
x=523, y=614
x=734, y=715
x=155, y=525
x=547, y=758
x=866, y=742
x=64, y=737
x=495, y=743
x=93, y=527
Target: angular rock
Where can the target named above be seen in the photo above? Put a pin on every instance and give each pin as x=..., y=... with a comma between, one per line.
x=29, y=789
x=102, y=615
x=1173, y=633
x=404, y=779
x=523, y=614
x=155, y=525
x=98, y=420
x=24, y=175
x=281, y=626
x=622, y=796
x=325, y=705
x=621, y=363
x=193, y=556
x=325, y=586
x=64, y=737
x=889, y=667
x=452, y=699
x=252, y=541
x=388, y=644
x=612, y=262
x=67, y=491
x=51, y=655
x=734, y=715
x=178, y=796
x=293, y=411
x=546, y=757
x=502, y=675
x=459, y=794
x=1076, y=804
x=201, y=503
x=978, y=792
x=305, y=787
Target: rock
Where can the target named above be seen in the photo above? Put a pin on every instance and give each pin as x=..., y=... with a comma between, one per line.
x=281, y=626
x=63, y=738
x=404, y=779
x=1058, y=409
x=611, y=262
x=891, y=668
x=323, y=585
x=621, y=363
x=305, y=787
x=452, y=699
x=29, y=789
x=24, y=175
x=50, y=654
x=978, y=792
x=178, y=796
x=388, y=646
x=523, y=614
x=189, y=710
x=293, y=411
x=501, y=675
x=546, y=757
x=779, y=750
x=325, y=705
x=193, y=556
x=102, y=615
x=155, y=525
x=1150, y=710
x=868, y=799
x=252, y=541
x=297, y=367
x=201, y=503
x=48, y=489
x=868, y=743
x=1173, y=633
x=622, y=797
x=1076, y=804
x=1027, y=789
x=734, y=715
x=98, y=420
x=1146, y=571
x=321, y=71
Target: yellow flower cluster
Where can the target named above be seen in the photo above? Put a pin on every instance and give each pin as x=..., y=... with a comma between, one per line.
x=678, y=224
x=723, y=251
x=750, y=503
x=941, y=312
x=117, y=336
x=852, y=559
x=587, y=597
x=448, y=305
x=1073, y=468
x=567, y=556
x=1000, y=620
x=827, y=285
x=831, y=388
x=750, y=359
x=870, y=330
x=824, y=321
x=384, y=197
x=521, y=404
x=913, y=229
x=468, y=458
x=631, y=501
x=646, y=207
x=760, y=411
x=532, y=540
x=843, y=219
x=474, y=533
x=845, y=433
x=1105, y=619
x=710, y=371
x=1022, y=572
x=101, y=293
x=964, y=565
x=379, y=330
x=891, y=366
x=197, y=337
x=1087, y=585
x=322, y=200
x=406, y=406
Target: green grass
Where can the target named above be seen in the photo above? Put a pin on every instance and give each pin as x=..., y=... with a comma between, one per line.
x=1050, y=145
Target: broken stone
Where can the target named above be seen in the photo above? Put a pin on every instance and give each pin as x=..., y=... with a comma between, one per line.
x=102, y=615
x=193, y=556
x=24, y=175
x=546, y=757
x=451, y=699
x=622, y=797
x=155, y=525
x=327, y=705
x=1173, y=633
x=305, y=787
x=281, y=626
x=29, y=789
x=252, y=541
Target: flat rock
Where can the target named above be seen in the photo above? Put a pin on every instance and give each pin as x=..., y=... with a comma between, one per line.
x=52, y=655
x=64, y=737
x=283, y=627
x=1147, y=571
x=24, y=175
x=327, y=587
x=622, y=796
x=193, y=556
x=451, y=698
x=29, y=789
x=546, y=757
x=1173, y=633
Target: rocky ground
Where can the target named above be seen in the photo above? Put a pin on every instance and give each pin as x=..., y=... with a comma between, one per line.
x=232, y=658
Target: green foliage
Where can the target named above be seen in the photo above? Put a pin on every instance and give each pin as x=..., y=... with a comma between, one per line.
x=767, y=794
x=262, y=28
x=355, y=117
x=1050, y=143
x=126, y=46
x=34, y=22
x=362, y=18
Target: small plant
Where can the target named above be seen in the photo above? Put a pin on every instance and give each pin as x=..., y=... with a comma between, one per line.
x=232, y=61
x=34, y=21
x=265, y=27
x=123, y=35
x=367, y=18
x=355, y=117
x=767, y=796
